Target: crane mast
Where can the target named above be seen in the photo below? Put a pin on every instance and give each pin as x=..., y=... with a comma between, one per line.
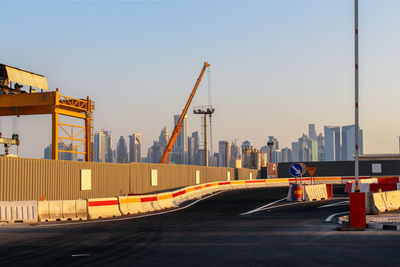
x=178, y=126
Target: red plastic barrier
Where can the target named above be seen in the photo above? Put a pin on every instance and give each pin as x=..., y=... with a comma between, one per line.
x=348, y=187
x=384, y=187
x=388, y=180
x=357, y=210
x=329, y=190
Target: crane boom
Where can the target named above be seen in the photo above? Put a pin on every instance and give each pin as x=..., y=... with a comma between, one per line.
x=178, y=126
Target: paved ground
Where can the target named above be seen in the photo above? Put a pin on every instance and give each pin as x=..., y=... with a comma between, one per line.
x=210, y=233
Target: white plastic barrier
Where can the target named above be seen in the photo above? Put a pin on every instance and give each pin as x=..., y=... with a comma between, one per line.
x=103, y=208
x=129, y=204
x=165, y=200
x=149, y=203
x=62, y=210
x=277, y=182
x=18, y=211
x=239, y=184
x=315, y=192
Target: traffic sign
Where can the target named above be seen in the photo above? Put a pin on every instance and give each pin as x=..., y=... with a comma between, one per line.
x=295, y=169
x=311, y=170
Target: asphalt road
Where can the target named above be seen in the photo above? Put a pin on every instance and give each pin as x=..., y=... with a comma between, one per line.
x=209, y=233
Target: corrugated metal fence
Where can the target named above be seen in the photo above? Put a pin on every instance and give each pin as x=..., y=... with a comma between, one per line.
x=30, y=179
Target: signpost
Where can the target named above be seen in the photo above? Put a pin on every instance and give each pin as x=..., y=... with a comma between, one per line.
x=311, y=171
x=296, y=170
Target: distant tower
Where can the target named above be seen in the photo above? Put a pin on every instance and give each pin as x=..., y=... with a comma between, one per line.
x=311, y=131
x=332, y=143
x=122, y=151
x=135, y=143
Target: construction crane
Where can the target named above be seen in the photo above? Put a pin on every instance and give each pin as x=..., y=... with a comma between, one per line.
x=178, y=126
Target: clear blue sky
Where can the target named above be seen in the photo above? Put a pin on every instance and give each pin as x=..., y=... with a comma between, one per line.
x=275, y=65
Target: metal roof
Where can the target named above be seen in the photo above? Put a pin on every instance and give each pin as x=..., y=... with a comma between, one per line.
x=24, y=77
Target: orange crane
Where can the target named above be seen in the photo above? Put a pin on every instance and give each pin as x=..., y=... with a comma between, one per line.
x=179, y=125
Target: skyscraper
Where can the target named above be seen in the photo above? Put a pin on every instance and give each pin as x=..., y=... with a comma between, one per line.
x=246, y=144
x=348, y=142
x=311, y=131
x=135, y=144
x=224, y=153
x=196, y=155
x=181, y=146
x=100, y=147
x=332, y=143
x=122, y=151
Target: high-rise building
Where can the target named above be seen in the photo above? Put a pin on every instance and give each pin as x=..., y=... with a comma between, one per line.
x=100, y=146
x=314, y=150
x=311, y=131
x=246, y=144
x=348, y=142
x=196, y=156
x=224, y=153
x=295, y=151
x=135, y=145
x=103, y=147
x=47, y=152
x=163, y=139
x=180, y=148
x=191, y=159
x=332, y=143
x=235, y=153
x=122, y=151
x=61, y=155
x=286, y=154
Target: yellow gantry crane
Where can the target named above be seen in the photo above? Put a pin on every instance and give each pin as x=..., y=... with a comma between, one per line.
x=15, y=101
x=178, y=126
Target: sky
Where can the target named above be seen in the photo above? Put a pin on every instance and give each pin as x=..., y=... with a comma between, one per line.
x=276, y=66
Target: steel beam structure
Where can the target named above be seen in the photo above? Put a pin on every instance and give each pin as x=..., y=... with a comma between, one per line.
x=55, y=104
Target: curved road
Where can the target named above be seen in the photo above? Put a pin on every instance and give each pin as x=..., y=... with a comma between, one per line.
x=211, y=232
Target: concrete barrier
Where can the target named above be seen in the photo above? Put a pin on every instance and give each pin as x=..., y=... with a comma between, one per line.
x=392, y=200
x=240, y=184
x=18, y=211
x=62, y=210
x=255, y=183
x=165, y=200
x=375, y=203
x=177, y=197
x=277, y=182
x=328, y=180
x=149, y=203
x=103, y=208
x=315, y=192
x=129, y=204
x=190, y=193
x=224, y=185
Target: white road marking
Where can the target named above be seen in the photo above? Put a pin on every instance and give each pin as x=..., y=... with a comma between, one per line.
x=267, y=207
x=333, y=215
x=130, y=218
x=80, y=255
x=260, y=208
x=342, y=203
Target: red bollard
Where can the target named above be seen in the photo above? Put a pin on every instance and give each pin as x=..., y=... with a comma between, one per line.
x=357, y=210
x=329, y=190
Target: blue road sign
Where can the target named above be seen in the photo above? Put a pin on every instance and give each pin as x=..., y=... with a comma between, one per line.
x=295, y=169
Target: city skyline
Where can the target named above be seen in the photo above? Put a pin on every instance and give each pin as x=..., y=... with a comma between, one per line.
x=263, y=80
x=336, y=143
